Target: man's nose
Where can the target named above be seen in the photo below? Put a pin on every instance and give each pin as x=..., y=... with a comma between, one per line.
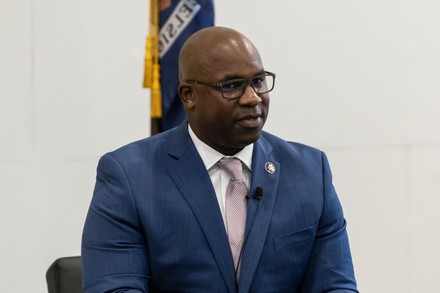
x=250, y=97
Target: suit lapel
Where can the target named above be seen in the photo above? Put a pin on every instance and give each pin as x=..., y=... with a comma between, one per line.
x=259, y=211
x=187, y=170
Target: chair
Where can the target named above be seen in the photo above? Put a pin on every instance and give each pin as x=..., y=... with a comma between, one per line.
x=64, y=275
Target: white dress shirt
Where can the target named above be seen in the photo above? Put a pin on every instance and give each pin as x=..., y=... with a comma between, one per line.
x=219, y=177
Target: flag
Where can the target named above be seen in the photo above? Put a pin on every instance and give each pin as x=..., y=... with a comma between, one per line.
x=171, y=23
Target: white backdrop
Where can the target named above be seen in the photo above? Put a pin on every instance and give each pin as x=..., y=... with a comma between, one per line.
x=358, y=79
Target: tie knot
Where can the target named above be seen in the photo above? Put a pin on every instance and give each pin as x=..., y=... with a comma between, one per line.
x=233, y=167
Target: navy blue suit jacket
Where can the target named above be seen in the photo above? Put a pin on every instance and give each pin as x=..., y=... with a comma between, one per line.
x=154, y=224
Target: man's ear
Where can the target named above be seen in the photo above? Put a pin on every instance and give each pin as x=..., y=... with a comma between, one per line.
x=186, y=95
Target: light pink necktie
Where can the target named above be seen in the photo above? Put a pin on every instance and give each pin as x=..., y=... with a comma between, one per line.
x=235, y=206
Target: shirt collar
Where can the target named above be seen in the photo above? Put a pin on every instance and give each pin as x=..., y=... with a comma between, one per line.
x=210, y=156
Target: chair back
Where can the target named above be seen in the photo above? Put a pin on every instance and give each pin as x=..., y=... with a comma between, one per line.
x=64, y=275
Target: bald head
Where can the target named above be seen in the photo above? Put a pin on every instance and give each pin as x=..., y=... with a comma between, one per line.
x=209, y=47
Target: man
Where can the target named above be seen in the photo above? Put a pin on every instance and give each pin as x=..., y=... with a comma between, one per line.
x=165, y=216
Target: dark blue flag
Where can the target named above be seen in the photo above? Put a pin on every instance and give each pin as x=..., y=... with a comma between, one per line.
x=178, y=20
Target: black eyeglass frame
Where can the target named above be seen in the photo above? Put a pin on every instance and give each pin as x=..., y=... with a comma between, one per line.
x=247, y=81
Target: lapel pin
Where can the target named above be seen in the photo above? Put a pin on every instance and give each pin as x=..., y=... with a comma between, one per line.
x=269, y=167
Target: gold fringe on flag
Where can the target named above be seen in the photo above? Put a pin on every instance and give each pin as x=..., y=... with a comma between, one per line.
x=151, y=62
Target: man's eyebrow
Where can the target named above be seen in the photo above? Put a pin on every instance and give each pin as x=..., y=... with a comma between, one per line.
x=232, y=77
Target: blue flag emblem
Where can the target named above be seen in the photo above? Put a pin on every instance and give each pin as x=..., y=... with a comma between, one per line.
x=177, y=22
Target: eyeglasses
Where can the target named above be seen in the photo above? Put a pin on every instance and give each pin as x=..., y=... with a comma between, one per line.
x=235, y=88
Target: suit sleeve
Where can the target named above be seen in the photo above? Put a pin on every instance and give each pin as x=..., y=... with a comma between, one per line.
x=114, y=253
x=330, y=268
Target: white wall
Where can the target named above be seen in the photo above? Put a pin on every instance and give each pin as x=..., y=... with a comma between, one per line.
x=358, y=79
